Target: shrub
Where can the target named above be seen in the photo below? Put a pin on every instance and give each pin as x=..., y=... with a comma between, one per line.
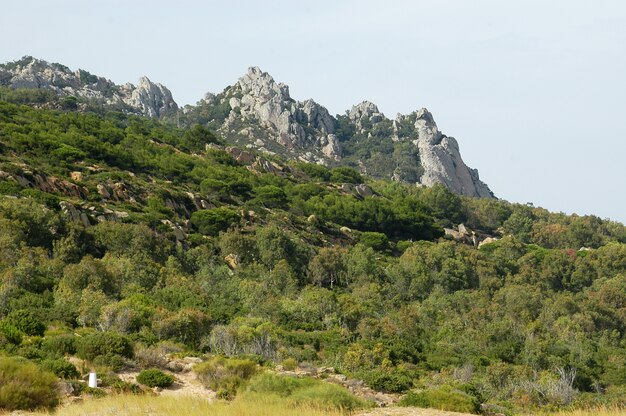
x=289, y=364
x=305, y=392
x=225, y=375
x=24, y=386
x=64, y=344
x=25, y=321
x=155, y=378
x=61, y=368
x=103, y=343
x=390, y=381
x=111, y=362
x=9, y=333
x=123, y=387
x=212, y=221
x=442, y=398
x=377, y=241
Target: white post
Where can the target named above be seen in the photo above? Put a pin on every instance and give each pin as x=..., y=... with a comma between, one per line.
x=93, y=380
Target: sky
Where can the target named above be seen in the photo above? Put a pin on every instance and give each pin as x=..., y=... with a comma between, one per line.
x=534, y=91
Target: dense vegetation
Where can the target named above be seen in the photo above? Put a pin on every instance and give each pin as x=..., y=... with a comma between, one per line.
x=172, y=242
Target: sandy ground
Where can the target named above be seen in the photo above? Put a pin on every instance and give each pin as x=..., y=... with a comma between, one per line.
x=185, y=384
x=409, y=411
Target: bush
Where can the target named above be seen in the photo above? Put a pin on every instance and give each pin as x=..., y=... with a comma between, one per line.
x=377, y=241
x=392, y=381
x=305, y=392
x=123, y=387
x=225, y=375
x=24, y=386
x=212, y=221
x=9, y=334
x=25, y=321
x=155, y=378
x=112, y=362
x=442, y=398
x=103, y=343
x=64, y=344
x=61, y=368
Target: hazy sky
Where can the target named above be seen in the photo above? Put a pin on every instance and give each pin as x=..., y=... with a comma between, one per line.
x=534, y=91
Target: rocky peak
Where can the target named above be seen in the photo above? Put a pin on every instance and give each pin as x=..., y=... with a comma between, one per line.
x=364, y=114
x=441, y=160
x=302, y=127
x=261, y=85
x=147, y=98
x=153, y=100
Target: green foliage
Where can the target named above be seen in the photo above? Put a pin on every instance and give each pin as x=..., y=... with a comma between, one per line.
x=9, y=333
x=377, y=241
x=443, y=398
x=225, y=375
x=60, y=368
x=345, y=174
x=212, y=221
x=388, y=380
x=197, y=137
x=23, y=386
x=305, y=391
x=270, y=196
x=98, y=344
x=27, y=322
x=155, y=378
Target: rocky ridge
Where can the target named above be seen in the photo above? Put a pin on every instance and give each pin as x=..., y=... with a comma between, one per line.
x=258, y=113
x=146, y=98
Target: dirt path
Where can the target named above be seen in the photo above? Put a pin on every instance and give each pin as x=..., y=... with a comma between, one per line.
x=409, y=411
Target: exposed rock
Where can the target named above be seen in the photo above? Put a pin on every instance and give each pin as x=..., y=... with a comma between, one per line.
x=441, y=160
x=102, y=190
x=241, y=156
x=363, y=114
x=232, y=260
x=74, y=214
x=76, y=176
x=487, y=241
x=363, y=190
x=147, y=98
x=291, y=124
x=152, y=100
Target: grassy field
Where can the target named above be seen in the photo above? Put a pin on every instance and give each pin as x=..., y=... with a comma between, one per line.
x=133, y=405
x=604, y=411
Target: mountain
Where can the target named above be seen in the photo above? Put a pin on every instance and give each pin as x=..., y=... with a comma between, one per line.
x=259, y=113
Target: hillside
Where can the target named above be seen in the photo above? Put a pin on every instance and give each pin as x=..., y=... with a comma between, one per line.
x=126, y=238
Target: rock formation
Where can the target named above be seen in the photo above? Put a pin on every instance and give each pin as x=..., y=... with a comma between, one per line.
x=147, y=98
x=441, y=160
x=298, y=127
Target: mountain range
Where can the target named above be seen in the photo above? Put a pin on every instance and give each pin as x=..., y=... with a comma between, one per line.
x=259, y=113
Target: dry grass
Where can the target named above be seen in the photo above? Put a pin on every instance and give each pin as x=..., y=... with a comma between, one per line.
x=601, y=411
x=130, y=405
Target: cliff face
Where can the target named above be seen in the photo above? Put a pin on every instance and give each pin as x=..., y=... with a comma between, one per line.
x=147, y=98
x=258, y=113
